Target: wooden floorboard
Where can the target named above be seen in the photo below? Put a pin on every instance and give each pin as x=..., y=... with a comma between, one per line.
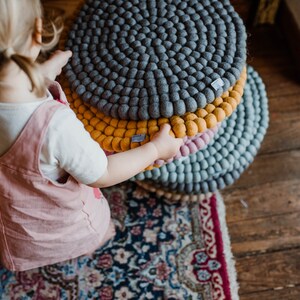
x=290, y=292
x=283, y=133
x=266, y=234
x=263, y=200
x=277, y=270
x=263, y=207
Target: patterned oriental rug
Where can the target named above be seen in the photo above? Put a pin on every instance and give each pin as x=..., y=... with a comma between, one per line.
x=162, y=250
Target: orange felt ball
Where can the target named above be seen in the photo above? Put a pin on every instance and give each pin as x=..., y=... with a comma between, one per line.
x=211, y=120
x=191, y=128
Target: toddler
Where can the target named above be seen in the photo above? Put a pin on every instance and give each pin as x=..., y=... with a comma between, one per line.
x=51, y=208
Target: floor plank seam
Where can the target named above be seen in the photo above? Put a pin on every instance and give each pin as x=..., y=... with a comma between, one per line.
x=263, y=217
x=234, y=190
x=264, y=252
x=260, y=154
x=288, y=286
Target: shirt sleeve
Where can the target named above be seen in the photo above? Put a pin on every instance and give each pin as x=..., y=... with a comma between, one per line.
x=72, y=148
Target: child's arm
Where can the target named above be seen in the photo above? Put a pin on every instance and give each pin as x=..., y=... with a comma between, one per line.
x=122, y=166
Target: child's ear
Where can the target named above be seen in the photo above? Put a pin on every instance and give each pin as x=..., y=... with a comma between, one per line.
x=37, y=35
x=36, y=39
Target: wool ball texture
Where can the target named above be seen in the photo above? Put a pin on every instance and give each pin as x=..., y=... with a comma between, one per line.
x=171, y=52
x=231, y=151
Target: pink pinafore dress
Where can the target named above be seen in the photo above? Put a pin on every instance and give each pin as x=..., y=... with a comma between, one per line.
x=41, y=221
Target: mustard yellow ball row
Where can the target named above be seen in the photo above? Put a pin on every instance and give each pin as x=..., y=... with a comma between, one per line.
x=115, y=135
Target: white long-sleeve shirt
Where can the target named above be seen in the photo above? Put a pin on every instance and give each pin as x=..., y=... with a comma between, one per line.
x=68, y=147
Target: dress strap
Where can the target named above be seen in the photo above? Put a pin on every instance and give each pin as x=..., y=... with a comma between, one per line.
x=25, y=151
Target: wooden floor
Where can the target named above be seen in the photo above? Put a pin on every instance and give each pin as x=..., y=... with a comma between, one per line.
x=263, y=206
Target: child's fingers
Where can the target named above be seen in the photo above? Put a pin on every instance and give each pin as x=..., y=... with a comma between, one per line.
x=59, y=59
x=61, y=56
x=68, y=54
x=165, y=128
x=180, y=141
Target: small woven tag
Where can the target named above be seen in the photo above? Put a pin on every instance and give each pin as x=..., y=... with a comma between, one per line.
x=138, y=138
x=218, y=83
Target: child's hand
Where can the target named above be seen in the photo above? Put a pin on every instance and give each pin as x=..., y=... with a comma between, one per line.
x=166, y=145
x=122, y=166
x=53, y=66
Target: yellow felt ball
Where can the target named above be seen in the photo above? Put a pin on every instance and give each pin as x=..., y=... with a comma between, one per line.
x=100, y=115
x=82, y=109
x=211, y=120
x=122, y=124
x=179, y=130
x=131, y=125
x=88, y=115
x=77, y=103
x=120, y=132
x=94, y=121
x=176, y=120
x=149, y=168
x=106, y=119
x=75, y=97
x=244, y=74
x=109, y=131
x=134, y=145
x=239, y=88
x=142, y=131
x=209, y=108
x=125, y=143
x=67, y=91
x=226, y=94
x=153, y=129
x=217, y=101
x=107, y=143
x=114, y=123
x=93, y=109
x=130, y=132
x=101, y=126
x=85, y=122
x=116, y=144
x=190, y=116
x=200, y=112
x=152, y=122
x=220, y=114
x=191, y=128
x=100, y=139
x=151, y=136
x=95, y=134
x=201, y=124
x=146, y=140
x=231, y=101
x=89, y=128
x=142, y=124
x=155, y=166
x=227, y=108
x=162, y=121
x=237, y=96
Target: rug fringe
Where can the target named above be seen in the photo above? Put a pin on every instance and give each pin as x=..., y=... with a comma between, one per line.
x=234, y=286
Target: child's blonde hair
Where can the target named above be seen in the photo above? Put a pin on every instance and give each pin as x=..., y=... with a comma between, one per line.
x=17, y=24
